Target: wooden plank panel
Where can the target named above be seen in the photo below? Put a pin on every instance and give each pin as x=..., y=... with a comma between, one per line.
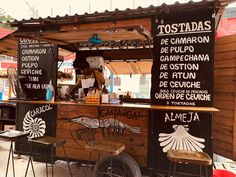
x=231, y=63
x=226, y=47
x=224, y=105
x=224, y=72
x=221, y=56
x=145, y=22
x=83, y=36
x=224, y=80
x=234, y=133
x=222, y=145
x=226, y=39
x=221, y=96
x=225, y=113
x=63, y=126
x=224, y=153
x=224, y=138
x=224, y=120
x=225, y=88
x=136, y=144
x=219, y=128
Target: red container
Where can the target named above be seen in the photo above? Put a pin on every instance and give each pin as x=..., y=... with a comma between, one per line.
x=223, y=173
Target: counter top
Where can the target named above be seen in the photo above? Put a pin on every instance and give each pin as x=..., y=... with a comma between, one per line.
x=123, y=105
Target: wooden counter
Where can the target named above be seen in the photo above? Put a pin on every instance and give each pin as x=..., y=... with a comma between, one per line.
x=127, y=123
x=123, y=105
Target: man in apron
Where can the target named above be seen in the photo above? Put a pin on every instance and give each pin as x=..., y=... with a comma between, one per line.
x=90, y=78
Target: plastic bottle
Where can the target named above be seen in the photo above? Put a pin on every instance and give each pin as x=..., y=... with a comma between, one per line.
x=105, y=95
x=50, y=93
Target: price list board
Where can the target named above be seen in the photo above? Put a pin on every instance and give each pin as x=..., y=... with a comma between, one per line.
x=182, y=72
x=37, y=62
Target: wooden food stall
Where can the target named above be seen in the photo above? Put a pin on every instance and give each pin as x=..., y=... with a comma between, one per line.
x=225, y=121
x=178, y=38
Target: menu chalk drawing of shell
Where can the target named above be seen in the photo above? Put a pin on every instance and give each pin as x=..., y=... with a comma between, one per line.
x=34, y=126
x=180, y=139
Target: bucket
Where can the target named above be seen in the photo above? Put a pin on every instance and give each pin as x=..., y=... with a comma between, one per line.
x=223, y=173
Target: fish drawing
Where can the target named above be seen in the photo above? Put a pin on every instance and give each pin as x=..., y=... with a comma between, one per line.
x=180, y=139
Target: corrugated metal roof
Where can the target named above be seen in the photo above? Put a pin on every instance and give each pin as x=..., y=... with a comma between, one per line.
x=4, y=32
x=54, y=29
x=117, y=14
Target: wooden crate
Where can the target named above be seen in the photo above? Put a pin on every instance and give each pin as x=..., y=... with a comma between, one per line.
x=224, y=122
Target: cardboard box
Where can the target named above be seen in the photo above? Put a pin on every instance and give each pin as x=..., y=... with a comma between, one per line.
x=9, y=127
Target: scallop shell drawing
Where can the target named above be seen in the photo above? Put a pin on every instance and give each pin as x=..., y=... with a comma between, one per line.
x=180, y=139
x=34, y=126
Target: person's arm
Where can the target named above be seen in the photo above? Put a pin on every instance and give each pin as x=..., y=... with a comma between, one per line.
x=76, y=87
x=100, y=79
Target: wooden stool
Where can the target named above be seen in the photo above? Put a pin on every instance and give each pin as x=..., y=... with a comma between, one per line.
x=46, y=141
x=189, y=157
x=104, y=146
x=11, y=135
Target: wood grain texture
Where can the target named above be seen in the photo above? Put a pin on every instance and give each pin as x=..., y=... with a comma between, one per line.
x=124, y=105
x=224, y=122
x=135, y=143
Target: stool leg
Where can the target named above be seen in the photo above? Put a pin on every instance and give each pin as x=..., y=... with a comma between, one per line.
x=12, y=158
x=200, y=170
x=174, y=168
x=124, y=166
x=8, y=160
x=90, y=153
x=32, y=166
x=66, y=159
x=45, y=158
x=111, y=166
x=206, y=171
x=169, y=169
x=30, y=161
x=52, y=168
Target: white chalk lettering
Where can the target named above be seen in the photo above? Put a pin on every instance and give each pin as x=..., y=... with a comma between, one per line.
x=182, y=117
x=184, y=27
x=29, y=65
x=184, y=58
x=34, y=51
x=201, y=97
x=40, y=110
x=191, y=40
x=184, y=84
x=30, y=58
x=164, y=75
x=31, y=71
x=184, y=66
x=181, y=49
x=184, y=75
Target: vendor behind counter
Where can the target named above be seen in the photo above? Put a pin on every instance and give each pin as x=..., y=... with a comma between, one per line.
x=87, y=74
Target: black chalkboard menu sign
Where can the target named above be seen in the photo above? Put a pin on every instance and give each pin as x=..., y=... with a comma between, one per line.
x=38, y=62
x=189, y=131
x=182, y=72
x=37, y=120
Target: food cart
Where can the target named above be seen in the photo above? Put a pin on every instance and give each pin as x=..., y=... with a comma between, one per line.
x=179, y=39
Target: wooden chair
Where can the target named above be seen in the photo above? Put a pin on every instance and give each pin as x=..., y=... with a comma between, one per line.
x=47, y=142
x=188, y=157
x=105, y=146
